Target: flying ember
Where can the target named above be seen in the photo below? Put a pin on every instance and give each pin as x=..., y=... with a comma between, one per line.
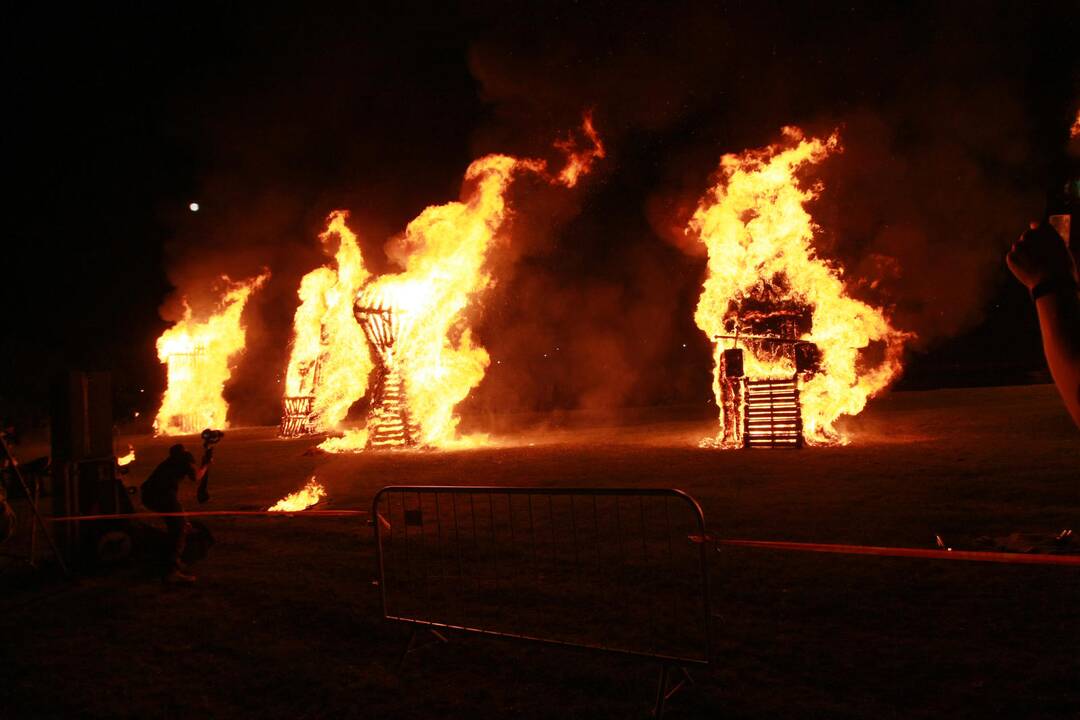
x=405, y=339
x=794, y=351
x=197, y=355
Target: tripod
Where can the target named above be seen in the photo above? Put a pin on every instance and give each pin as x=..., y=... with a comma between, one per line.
x=32, y=499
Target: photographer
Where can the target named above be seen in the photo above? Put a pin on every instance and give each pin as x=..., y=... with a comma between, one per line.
x=1041, y=260
x=160, y=494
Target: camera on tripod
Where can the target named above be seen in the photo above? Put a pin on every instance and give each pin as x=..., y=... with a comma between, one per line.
x=212, y=437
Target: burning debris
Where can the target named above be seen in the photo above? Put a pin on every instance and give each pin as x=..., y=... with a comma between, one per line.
x=794, y=351
x=127, y=458
x=302, y=499
x=197, y=355
x=408, y=333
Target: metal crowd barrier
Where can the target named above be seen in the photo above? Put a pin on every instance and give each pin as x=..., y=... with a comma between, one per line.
x=619, y=570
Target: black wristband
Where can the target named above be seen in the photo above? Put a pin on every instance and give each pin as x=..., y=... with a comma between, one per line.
x=1052, y=285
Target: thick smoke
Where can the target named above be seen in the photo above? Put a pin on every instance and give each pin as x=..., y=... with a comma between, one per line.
x=595, y=288
x=944, y=162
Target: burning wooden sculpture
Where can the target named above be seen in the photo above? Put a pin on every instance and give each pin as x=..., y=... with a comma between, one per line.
x=298, y=411
x=796, y=350
x=389, y=424
x=181, y=367
x=298, y=416
x=761, y=408
x=198, y=353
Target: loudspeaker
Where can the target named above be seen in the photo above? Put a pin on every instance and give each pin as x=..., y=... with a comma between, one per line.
x=83, y=467
x=807, y=358
x=733, y=363
x=81, y=418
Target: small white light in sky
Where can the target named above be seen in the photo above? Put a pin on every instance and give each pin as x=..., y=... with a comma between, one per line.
x=136, y=413
x=193, y=207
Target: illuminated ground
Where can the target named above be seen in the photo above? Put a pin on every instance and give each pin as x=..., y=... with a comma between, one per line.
x=284, y=621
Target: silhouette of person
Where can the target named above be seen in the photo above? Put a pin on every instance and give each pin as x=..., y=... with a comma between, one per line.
x=1041, y=260
x=160, y=493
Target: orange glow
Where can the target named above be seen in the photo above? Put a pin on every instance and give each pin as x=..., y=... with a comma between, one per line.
x=1074, y=131
x=760, y=242
x=197, y=354
x=330, y=360
x=127, y=458
x=302, y=499
x=579, y=163
x=433, y=362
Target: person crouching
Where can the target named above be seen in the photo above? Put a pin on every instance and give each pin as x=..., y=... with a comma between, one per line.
x=160, y=493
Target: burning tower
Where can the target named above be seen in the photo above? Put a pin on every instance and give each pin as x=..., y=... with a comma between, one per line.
x=389, y=423
x=802, y=350
x=404, y=339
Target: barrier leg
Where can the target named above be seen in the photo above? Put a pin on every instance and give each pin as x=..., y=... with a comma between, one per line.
x=661, y=691
x=663, y=694
x=412, y=646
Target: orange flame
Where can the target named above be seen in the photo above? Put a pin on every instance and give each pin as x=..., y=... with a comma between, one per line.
x=443, y=255
x=197, y=355
x=127, y=458
x=330, y=360
x=579, y=163
x=1074, y=131
x=302, y=499
x=760, y=239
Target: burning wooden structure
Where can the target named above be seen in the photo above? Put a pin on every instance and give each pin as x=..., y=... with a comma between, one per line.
x=182, y=367
x=198, y=352
x=803, y=350
x=389, y=423
x=350, y=321
x=298, y=416
x=763, y=409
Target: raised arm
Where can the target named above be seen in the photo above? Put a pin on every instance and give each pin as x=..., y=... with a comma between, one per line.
x=1042, y=262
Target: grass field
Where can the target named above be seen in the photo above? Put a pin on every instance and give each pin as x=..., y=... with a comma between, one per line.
x=285, y=619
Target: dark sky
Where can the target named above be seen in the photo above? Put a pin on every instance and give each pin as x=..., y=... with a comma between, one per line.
x=953, y=117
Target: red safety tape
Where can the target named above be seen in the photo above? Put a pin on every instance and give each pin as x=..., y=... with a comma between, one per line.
x=212, y=513
x=975, y=556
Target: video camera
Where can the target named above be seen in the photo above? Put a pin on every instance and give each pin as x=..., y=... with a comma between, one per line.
x=210, y=438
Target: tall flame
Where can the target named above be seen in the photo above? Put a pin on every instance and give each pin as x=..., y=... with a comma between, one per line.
x=197, y=354
x=330, y=360
x=760, y=241
x=443, y=256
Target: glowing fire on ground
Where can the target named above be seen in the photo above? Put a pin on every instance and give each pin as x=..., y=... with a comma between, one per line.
x=412, y=328
x=127, y=458
x=302, y=499
x=765, y=279
x=197, y=354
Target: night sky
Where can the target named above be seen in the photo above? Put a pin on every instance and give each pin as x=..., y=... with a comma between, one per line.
x=954, y=118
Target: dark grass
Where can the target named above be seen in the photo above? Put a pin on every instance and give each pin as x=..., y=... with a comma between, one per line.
x=284, y=621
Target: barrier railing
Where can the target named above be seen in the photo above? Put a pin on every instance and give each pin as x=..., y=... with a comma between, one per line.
x=617, y=570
